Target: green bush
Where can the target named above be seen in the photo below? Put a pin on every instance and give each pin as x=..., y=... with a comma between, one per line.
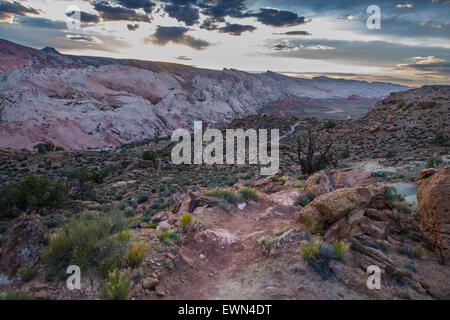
x=27, y=273
x=45, y=147
x=391, y=193
x=330, y=124
x=86, y=241
x=186, y=219
x=84, y=174
x=149, y=155
x=433, y=162
x=400, y=104
x=31, y=194
x=116, y=286
x=136, y=253
x=310, y=251
x=142, y=197
x=304, y=199
x=227, y=194
x=247, y=193
x=345, y=154
x=340, y=248
x=16, y=295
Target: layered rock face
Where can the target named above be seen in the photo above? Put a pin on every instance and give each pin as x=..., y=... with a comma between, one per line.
x=85, y=102
x=433, y=209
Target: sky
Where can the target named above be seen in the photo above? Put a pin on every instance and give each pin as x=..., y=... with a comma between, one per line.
x=293, y=37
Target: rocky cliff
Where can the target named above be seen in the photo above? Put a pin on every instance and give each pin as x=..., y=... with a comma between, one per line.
x=93, y=102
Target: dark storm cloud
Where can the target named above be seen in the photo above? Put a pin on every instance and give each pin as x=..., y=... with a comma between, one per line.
x=278, y=18
x=116, y=13
x=132, y=27
x=219, y=9
x=9, y=9
x=235, y=29
x=86, y=17
x=183, y=13
x=147, y=5
x=294, y=33
x=165, y=35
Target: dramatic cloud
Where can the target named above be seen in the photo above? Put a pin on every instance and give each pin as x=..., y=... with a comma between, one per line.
x=294, y=33
x=183, y=13
x=430, y=65
x=132, y=27
x=78, y=37
x=165, y=35
x=10, y=9
x=110, y=13
x=147, y=5
x=235, y=29
x=278, y=18
x=219, y=9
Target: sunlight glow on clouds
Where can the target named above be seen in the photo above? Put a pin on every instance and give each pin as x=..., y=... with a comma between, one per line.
x=288, y=36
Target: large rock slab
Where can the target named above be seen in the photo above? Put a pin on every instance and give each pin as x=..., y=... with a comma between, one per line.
x=433, y=211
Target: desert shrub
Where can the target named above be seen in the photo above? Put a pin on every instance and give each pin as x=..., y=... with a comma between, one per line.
x=282, y=180
x=86, y=241
x=31, y=194
x=226, y=194
x=186, y=219
x=149, y=155
x=247, y=193
x=84, y=174
x=123, y=235
x=340, y=248
x=416, y=252
x=400, y=104
x=136, y=253
x=345, y=154
x=313, y=226
x=304, y=199
x=310, y=251
x=389, y=155
x=115, y=287
x=329, y=124
x=433, y=162
x=300, y=184
x=16, y=295
x=379, y=174
x=142, y=197
x=27, y=273
x=391, y=193
x=45, y=147
x=410, y=267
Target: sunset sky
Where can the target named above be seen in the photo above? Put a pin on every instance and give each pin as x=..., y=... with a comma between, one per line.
x=299, y=38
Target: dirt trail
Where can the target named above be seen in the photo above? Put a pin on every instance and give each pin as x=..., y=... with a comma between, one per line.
x=230, y=259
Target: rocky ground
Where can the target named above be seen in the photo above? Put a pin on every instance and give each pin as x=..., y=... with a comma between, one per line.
x=296, y=236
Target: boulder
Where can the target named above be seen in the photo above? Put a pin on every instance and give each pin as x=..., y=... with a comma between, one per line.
x=319, y=183
x=339, y=203
x=160, y=216
x=22, y=243
x=433, y=210
x=351, y=177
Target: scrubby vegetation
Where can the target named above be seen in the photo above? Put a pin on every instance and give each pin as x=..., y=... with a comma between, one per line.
x=31, y=194
x=304, y=199
x=86, y=241
x=247, y=193
x=115, y=287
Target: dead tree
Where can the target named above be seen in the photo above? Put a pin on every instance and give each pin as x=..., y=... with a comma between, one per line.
x=313, y=152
